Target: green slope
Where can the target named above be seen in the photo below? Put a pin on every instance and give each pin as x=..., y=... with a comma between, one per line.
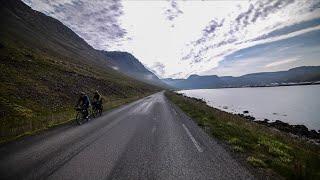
x=44, y=65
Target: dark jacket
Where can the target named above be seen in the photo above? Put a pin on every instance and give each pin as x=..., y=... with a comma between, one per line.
x=97, y=98
x=84, y=101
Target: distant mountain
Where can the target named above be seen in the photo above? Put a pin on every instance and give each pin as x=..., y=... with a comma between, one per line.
x=295, y=75
x=44, y=65
x=131, y=66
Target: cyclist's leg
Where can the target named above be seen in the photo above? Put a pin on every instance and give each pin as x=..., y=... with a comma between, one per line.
x=100, y=105
x=94, y=104
x=86, y=113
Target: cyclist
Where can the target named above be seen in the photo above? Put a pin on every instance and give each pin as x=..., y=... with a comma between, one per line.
x=84, y=103
x=97, y=101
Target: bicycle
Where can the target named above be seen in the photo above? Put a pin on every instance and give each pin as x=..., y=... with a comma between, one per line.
x=97, y=110
x=80, y=116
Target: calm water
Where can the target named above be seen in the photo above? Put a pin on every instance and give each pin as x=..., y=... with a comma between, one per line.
x=291, y=104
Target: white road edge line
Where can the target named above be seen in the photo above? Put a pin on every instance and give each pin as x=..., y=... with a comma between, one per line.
x=192, y=138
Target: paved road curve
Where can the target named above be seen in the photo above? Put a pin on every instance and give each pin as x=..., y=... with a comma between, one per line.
x=146, y=139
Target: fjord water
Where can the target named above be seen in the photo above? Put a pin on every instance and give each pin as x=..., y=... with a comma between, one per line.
x=291, y=104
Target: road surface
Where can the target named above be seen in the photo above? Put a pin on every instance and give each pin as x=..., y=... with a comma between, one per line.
x=147, y=139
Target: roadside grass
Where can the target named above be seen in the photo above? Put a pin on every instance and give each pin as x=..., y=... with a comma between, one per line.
x=262, y=146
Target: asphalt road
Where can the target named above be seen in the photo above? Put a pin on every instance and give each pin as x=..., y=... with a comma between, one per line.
x=147, y=139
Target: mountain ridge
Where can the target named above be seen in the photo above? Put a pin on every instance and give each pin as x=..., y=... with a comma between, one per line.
x=293, y=75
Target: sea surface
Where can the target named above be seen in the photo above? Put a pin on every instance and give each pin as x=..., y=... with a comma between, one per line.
x=291, y=104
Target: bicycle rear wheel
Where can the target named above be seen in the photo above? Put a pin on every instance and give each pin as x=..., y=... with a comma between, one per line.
x=94, y=112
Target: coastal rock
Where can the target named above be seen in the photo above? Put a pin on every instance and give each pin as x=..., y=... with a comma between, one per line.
x=245, y=112
x=314, y=134
x=299, y=130
x=251, y=118
x=196, y=99
x=281, y=125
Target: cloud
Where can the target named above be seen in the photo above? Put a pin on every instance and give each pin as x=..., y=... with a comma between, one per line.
x=260, y=10
x=95, y=21
x=278, y=63
x=250, y=26
x=264, y=57
x=173, y=11
x=115, y=68
x=158, y=68
x=235, y=48
x=213, y=25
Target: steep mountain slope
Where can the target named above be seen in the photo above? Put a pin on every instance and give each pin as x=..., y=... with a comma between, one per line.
x=26, y=27
x=131, y=66
x=44, y=65
x=295, y=75
x=51, y=36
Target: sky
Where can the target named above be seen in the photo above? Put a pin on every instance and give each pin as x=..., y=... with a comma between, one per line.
x=177, y=38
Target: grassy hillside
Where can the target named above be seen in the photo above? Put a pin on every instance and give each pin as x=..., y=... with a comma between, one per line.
x=262, y=147
x=44, y=65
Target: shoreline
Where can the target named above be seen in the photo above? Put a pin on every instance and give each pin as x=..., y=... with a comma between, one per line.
x=280, y=85
x=299, y=130
x=295, y=129
x=259, y=86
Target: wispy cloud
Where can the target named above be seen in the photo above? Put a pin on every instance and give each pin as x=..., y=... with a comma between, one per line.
x=96, y=21
x=173, y=11
x=115, y=68
x=281, y=62
x=250, y=27
x=158, y=68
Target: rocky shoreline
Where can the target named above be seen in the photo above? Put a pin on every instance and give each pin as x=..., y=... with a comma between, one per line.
x=298, y=130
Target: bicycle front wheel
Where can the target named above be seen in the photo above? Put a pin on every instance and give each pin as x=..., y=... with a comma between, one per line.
x=79, y=118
